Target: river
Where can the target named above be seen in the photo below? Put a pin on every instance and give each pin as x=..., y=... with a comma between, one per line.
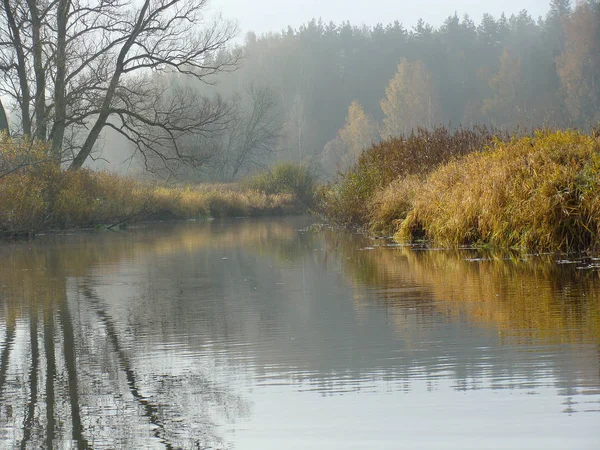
x=271, y=334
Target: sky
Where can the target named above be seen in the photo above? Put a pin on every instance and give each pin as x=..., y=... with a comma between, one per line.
x=262, y=16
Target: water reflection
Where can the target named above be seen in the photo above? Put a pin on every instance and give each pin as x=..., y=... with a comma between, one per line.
x=526, y=297
x=201, y=335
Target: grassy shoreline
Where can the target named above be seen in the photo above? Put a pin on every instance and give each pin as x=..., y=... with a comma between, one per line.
x=40, y=196
x=531, y=193
x=135, y=202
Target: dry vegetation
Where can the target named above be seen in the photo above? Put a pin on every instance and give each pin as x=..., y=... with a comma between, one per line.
x=35, y=195
x=521, y=297
x=348, y=199
x=536, y=193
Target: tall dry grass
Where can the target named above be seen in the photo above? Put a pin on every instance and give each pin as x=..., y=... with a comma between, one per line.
x=540, y=193
x=347, y=200
x=392, y=203
x=35, y=194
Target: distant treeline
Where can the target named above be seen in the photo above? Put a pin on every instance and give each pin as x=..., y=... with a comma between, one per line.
x=509, y=72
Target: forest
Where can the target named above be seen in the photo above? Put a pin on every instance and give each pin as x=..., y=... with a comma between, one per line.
x=204, y=108
x=338, y=88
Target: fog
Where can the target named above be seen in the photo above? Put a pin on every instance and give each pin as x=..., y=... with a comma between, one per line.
x=232, y=87
x=335, y=87
x=263, y=16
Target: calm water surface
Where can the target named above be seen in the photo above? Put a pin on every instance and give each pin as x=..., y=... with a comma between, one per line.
x=263, y=334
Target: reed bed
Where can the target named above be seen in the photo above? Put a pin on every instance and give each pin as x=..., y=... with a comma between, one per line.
x=538, y=192
x=535, y=193
x=348, y=199
x=36, y=195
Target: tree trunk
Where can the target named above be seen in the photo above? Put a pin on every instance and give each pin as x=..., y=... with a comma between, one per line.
x=21, y=69
x=60, y=105
x=3, y=120
x=40, y=74
x=92, y=137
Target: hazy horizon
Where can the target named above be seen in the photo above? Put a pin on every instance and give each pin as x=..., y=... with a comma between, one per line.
x=263, y=16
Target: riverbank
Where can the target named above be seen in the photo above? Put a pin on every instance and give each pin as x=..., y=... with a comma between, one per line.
x=474, y=187
x=39, y=196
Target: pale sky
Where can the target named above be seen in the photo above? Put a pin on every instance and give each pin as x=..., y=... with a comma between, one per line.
x=275, y=15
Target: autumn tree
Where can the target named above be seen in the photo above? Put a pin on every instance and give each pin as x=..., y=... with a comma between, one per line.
x=71, y=68
x=578, y=65
x=410, y=101
x=358, y=133
x=506, y=106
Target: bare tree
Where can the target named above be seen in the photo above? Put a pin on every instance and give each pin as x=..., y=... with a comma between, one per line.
x=256, y=134
x=242, y=139
x=84, y=65
x=161, y=119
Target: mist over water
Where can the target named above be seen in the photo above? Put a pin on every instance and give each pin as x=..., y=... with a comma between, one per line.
x=253, y=334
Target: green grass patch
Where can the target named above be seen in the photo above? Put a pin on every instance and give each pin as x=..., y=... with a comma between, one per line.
x=285, y=178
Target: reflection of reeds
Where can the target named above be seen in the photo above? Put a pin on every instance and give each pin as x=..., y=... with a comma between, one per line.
x=30, y=274
x=529, y=299
x=536, y=298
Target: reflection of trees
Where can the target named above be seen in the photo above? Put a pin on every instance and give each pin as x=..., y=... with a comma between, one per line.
x=93, y=326
x=7, y=347
x=33, y=380
x=150, y=410
x=62, y=374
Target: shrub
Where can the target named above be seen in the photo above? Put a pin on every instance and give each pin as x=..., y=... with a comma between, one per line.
x=285, y=178
x=347, y=199
x=28, y=178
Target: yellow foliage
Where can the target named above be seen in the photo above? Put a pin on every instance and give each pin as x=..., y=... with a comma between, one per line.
x=359, y=133
x=410, y=101
x=392, y=203
x=532, y=193
x=38, y=195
